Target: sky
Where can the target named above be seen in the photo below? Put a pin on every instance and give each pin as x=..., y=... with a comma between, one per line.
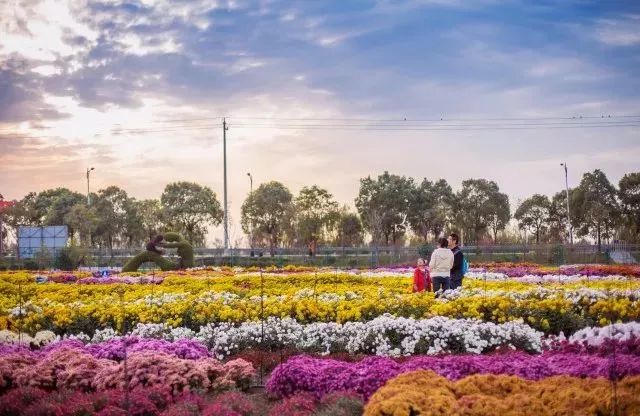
x=137, y=90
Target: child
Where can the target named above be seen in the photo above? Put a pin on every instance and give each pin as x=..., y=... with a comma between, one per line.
x=421, y=277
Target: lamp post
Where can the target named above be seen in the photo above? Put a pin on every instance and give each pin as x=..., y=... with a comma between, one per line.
x=566, y=184
x=250, y=226
x=88, y=194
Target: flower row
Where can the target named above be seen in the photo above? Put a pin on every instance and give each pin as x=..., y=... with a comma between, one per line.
x=385, y=335
x=425, y=392
x=549, y=311
x=153, y=401
x=70, y=367
x=324, y=376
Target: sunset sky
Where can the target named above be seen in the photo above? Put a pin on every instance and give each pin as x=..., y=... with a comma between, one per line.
x=136, y=89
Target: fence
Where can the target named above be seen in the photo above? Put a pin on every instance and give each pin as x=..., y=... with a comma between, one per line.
x=371, y=257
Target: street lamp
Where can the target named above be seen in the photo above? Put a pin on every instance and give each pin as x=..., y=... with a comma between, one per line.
x=88, y=194
x=250, y=226
x=566, y=184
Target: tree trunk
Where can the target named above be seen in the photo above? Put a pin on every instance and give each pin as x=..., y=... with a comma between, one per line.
x=599, y=242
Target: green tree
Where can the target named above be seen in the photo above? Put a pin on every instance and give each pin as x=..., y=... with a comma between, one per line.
x=23, y=212
x=133, y=232
x=350, y=231
x=151, y=217
x=266, y=211
x=383, y=205
x=422, y=209
x=499, y=214
x=444, y=200
x=557, y=221
x=56, y=203
x=533, y=214
x=479, y=206
x=49, y=207
x=189, y=208
x=430, y=208
x=629, y=191
x=316, y=214
x=595, y=208
x=84, y=221
x=111, y=206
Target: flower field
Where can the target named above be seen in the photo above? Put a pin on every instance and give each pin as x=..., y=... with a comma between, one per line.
x=331, y=342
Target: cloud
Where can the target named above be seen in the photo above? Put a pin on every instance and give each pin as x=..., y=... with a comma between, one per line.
x=135, y=88
x=624, y=31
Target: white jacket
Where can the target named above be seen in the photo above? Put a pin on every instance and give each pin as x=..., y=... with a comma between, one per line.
x=441, y=262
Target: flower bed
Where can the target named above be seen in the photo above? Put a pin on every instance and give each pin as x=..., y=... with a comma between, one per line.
x=426, y=393
x=196, y=301
x=324, y=376
x=72, y=367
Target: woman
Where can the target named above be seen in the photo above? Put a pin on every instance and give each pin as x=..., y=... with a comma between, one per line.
x=421, y=277
x=440, y=265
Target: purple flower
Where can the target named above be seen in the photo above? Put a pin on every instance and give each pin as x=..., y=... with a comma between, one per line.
x=323, y=376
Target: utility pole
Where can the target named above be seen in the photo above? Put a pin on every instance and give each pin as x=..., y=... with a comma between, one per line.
x=88, y=194
x=566, y=184
x=226, y=213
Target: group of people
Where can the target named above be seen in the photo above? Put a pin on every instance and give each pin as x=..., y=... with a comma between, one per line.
x=446, y=267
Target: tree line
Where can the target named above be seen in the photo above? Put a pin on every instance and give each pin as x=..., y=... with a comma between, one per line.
x=389, y=210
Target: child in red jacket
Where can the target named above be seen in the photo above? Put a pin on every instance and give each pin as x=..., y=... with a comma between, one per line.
x=421, y=277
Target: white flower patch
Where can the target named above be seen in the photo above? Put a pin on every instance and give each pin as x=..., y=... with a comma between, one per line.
x=595, y=336
x=385, y=335
x=159, y=300
x=226, y=297
x=24, y=310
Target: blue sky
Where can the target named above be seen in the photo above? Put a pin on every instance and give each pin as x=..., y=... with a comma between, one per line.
x=70, y=71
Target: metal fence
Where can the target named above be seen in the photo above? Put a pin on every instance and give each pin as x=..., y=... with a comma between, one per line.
x=371, y=256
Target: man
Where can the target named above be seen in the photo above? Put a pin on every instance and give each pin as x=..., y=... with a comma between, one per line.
x=458, y=259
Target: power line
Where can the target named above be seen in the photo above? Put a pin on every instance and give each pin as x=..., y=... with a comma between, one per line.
x=377, y=125
x=358, y=120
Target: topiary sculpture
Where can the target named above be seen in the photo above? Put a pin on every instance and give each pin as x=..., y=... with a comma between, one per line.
x=174, y=240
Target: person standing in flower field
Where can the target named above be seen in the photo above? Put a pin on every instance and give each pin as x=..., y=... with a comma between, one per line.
x=421, y=277
x=458, y=268
x=440, y=264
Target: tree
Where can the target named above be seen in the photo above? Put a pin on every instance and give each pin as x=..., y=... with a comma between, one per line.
x=134, y=232
x=83, y=220
x=533, y=214
x=430, y=208
x=316, y=214
x=56, y=203
x=151, y=217
x=499, y=214
x=23, y=212
x=480, y=206
x=630, y=199
x=443, y=204
x=188, y=208
x=383, y=205
x=111, y=205
x=422, y=209
x=350, y=231
x=49, y=207
x=595, y=206
x=266, y=211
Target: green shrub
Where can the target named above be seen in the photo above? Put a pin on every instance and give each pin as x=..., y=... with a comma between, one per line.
x=31, y=265
x=64, y=260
